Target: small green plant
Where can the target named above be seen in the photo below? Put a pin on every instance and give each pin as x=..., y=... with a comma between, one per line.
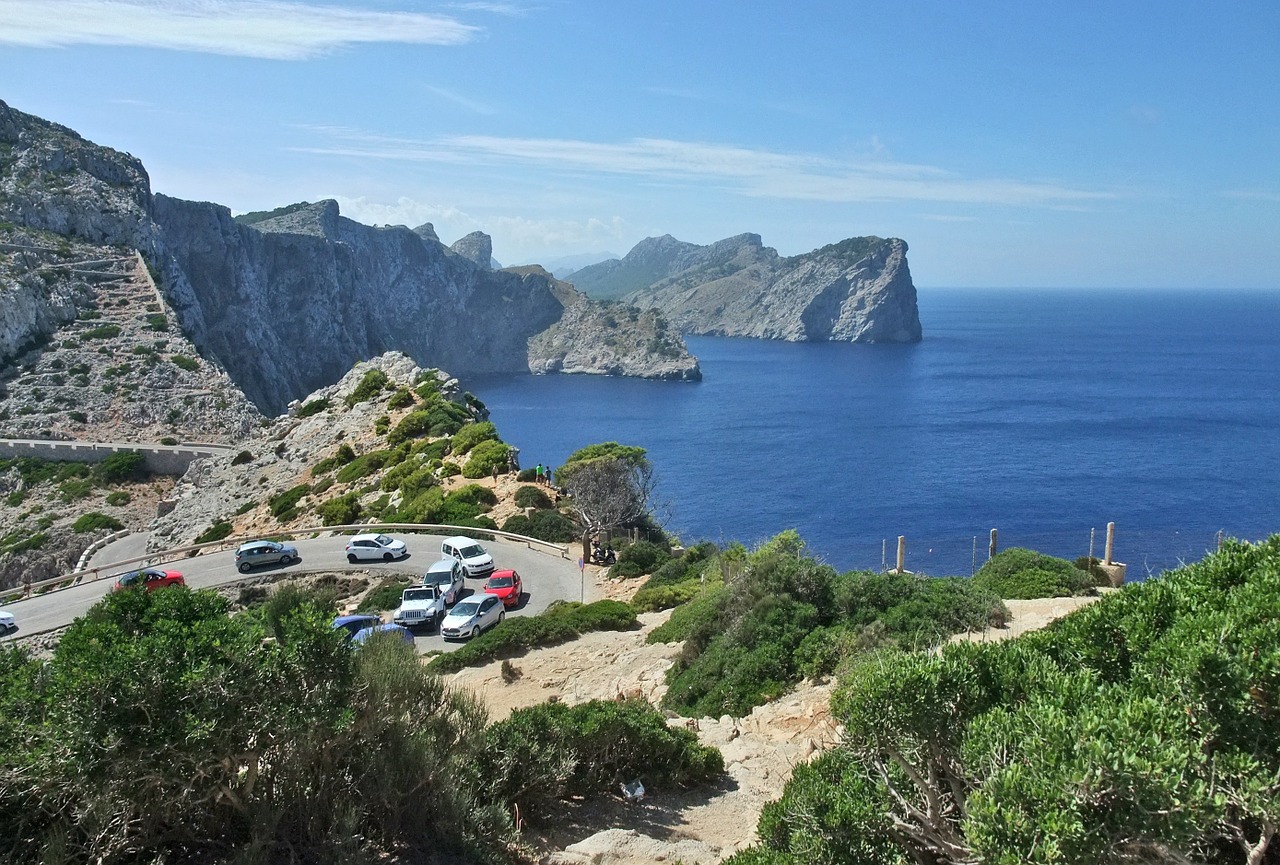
x=402, y=398
x=96, y=522
x=168, y=440
x=1019, y=573
x=121, y=467
x=381, y=425
x=315, y=406
x=485, y=457
x=157, y=321
x=102, y=331
x=370, y=386
x=78, y=416
x=341, y=511
x=532, y=497
x=118, y=498
x=245, y=508
x=242, y=458
x=215, y=532
x=182, y=361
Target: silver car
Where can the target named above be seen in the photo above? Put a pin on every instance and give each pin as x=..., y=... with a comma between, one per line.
x=8, y=623
x=447, y=574
x=252, y=553
x=470, y=617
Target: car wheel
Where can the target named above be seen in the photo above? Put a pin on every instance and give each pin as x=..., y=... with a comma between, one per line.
x=245, y=567
x=351, y=557
x=501, y=616
x=286, y=559
x=475, y=632
x=386, y=557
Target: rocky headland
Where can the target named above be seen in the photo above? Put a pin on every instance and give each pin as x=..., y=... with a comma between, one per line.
x=857, y=290
x=284, y=303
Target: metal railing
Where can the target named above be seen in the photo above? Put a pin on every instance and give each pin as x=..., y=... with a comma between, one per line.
x=75, y=578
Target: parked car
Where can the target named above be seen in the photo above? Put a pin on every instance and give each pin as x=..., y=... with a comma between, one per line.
x=354, y=624
x=254, y=553
x=402, y=633
x=447, y=575
x=507, y=585
x=420, y=606
x=373, y=546
x=475, y=559
x=8, y=624
x=472, y=616
x=151, y=578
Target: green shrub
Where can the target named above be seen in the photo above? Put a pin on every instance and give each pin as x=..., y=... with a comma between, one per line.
x=363, y=466
x=1093, y=566
x=118, y=498
x=157, y=321
x=342, y=457
x=242, y=458
x=75, y=489
x=341, y=511
x=532, y=497
x=168, y=441
x=448, y=470
x=215, y=532
x=321, y=486
x=556, y=625
x=121, y=467
x=78, y=416
x=1023, y=574
x=314, y=406
x=370, y=385
x=402, y=398
x=574, y=751
x=526, y=476
x=545, y=525
x=181, y=361
x=381, y=425
x=95, y=522
x=102, y=331
x=474, y=494
x=430, y=450
x=471, y=435
x=283, y=505
x=639, y=558
x=245, y=508
x=485, y=456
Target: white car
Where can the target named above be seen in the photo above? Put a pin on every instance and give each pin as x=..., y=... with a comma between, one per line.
x=8, y=624
x=371, y=546
x=471, y=616
x=475, y=559
x=420, y=606
x=446, y=575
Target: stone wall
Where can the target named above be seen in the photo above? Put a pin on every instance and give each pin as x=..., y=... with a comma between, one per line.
x=160, y=459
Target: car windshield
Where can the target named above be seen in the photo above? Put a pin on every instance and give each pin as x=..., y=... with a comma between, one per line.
x=501, y=583
x=130, y=579
x=382, y=541
x=465, y=609
x=419, y=594
x=472, y=551
x=442, y=578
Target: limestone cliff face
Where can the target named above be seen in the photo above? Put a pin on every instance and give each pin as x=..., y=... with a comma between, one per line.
x=858, y=290
x=286, y=302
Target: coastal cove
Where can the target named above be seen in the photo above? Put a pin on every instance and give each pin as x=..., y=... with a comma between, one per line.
x=1042, y=413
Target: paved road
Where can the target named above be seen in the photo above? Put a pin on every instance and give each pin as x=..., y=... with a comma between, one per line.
x=547, y=577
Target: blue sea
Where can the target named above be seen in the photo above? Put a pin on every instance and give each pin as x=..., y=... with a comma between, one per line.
x=1044, y=414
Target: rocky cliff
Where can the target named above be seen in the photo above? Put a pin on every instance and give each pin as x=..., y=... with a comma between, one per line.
x=285, y=302
x=857, y=290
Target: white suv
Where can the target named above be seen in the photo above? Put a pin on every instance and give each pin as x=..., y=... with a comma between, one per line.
x=476, y=561
x=373, y=546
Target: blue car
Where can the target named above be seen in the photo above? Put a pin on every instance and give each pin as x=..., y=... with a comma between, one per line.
x=367, y=633
x=361, y=627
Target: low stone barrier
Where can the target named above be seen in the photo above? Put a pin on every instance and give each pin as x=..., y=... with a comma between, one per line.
x=160, y=459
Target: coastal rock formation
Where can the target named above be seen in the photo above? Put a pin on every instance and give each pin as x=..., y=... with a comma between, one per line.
x=857, y=290
x=284, y=301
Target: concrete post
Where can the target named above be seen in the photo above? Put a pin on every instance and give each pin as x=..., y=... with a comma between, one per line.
x=1111, y=539
x=902, y=553
x=991, y=548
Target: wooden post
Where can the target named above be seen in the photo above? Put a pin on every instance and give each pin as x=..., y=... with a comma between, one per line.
x=1111, y=539
x=902, y=552
x=991, y=548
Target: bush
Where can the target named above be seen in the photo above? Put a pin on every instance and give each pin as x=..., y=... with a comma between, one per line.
x=118, y=498
x=370, y=386
x=284, y=505
x=639, y=558
x=314, y=406
x=402, y=398
x=485, y=457
x=471, y=435
x=341, y=511
x=1093, y=567
x=573, y=751
x=215, y=532
x=526, y=476
x=121, y=467
x=1023, y=574
x=556, y=625
x=545, y=525
x=78, y=416
x=242, y=458
x=157, y=321
x=181, y=361
x=96, y=522
x=363, y=466
x=532, y=497
x=102, y=331
x=381, y=425
x=168, y=441
x=341, y=457
x=74, y=489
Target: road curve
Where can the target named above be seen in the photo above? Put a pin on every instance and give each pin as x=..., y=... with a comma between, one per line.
x=546, y=577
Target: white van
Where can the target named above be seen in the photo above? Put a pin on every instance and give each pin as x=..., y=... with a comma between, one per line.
x=476, y=561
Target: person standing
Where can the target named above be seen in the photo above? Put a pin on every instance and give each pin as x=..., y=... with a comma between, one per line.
x=538, y=473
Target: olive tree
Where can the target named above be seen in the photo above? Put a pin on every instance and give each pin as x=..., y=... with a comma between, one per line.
x=609, y=485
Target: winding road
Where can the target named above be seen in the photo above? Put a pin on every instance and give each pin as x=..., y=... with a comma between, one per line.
x=547, y=578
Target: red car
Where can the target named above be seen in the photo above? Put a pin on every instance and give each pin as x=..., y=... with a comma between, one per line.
x=507, y=586
x=152, y=578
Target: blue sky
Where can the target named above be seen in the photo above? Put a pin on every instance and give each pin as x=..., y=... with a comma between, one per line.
x=1009, y=143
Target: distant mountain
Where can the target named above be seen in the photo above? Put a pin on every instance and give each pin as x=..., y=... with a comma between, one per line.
x=565, y=265
x=857, y=290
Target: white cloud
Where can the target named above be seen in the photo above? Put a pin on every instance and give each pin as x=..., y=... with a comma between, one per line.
x=745, y=171
x=459, y=99
x=250, y=28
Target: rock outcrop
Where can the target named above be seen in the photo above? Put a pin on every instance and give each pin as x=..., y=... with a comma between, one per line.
x=857, y=290
x=285, y=301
